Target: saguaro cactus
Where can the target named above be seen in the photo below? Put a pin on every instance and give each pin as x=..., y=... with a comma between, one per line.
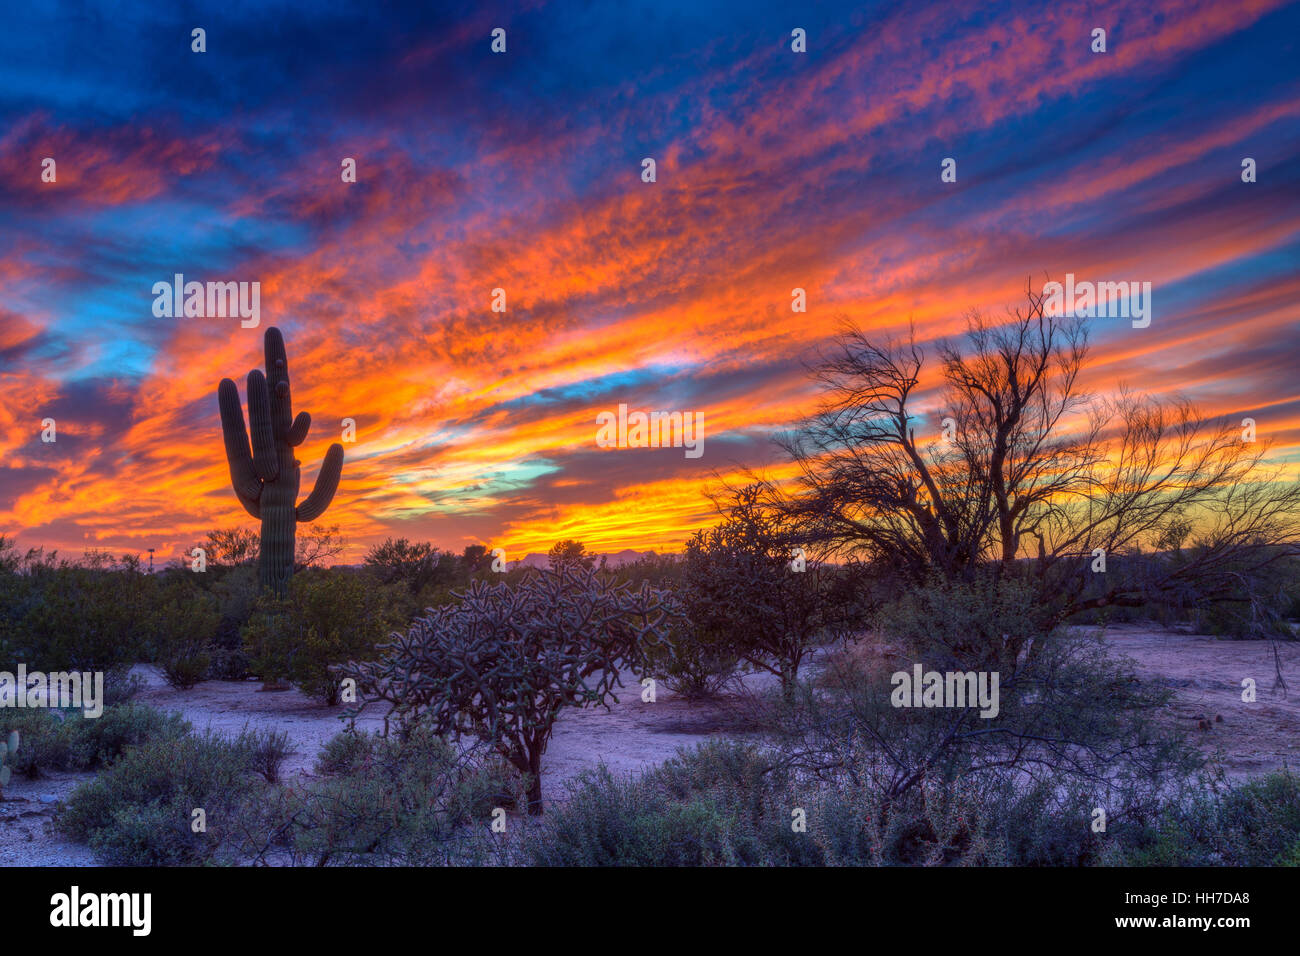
x=266, y=480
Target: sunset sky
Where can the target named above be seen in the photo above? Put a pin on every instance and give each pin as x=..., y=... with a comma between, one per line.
x=522, y=171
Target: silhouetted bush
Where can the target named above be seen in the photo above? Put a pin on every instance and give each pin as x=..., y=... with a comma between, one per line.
x=745, y=599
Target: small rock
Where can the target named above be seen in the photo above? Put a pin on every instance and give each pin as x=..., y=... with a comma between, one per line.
x=49, y=798
x=1218, y=718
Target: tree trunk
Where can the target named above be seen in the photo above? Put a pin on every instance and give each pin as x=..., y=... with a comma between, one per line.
x=535, y=785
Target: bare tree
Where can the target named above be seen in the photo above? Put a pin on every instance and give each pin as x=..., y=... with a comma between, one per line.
x=317, y=545
x=232, y=546
x=1020, y=473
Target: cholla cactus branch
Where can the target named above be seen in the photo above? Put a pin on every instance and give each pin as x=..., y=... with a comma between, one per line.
x=503, y=662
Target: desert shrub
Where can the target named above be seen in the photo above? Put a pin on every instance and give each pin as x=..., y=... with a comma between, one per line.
x=642, y=822
x=78, y=618
x=1251, y=596
x=1259, y=821
x=67, y=740
x=1255, y=823
x=990, y=622
x=691, y=662
x=730, y=803
x=41, y=746
x=265, y=751
x=417, y=565
x=1068, y=713
x=330, y=616
x=696, y=664
x=182, y=626
x=138, y=812
x=96, y=742
x=344, y=753
x=409, y=800
x=727, y=803
x=744, y=598
x=237, y=590
x=657, y=570
x=502, y=663
x=10, y=744
x=15, y=596
x=1291, y=857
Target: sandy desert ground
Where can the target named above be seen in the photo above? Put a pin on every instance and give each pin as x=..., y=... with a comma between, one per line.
x=1205, y=673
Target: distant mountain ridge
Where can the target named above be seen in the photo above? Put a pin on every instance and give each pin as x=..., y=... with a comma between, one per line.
x=615, y=559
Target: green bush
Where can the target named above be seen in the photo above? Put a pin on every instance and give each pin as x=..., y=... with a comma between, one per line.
x=411, y=801
x=330, y=616
x=140, y=810
x=77, y=618
x=1256, y=823
x=692, y=662
x=264, y=751
x=237, y=590
x=709, y=806
x=743, y=598
x=10, y=744
x=735, y=804
x=182, y=624
x=987, y=623
x=67, y=740
x=727, y=803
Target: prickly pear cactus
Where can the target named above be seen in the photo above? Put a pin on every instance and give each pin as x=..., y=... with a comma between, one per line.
x=266, y=479
x=7, y=749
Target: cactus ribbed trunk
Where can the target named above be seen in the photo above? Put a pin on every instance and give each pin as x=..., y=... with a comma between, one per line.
x=266, y=480
x=279, y=527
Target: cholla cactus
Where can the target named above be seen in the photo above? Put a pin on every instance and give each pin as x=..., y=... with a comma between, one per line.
x=503, y=662
x=7, y=750
x=266, y=481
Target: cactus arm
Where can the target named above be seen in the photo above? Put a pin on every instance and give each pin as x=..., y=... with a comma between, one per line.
x=252, y=505
x=242, y=476
x=298, y=431
x=327, y=483
x=277, y=381
x=265, y=460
